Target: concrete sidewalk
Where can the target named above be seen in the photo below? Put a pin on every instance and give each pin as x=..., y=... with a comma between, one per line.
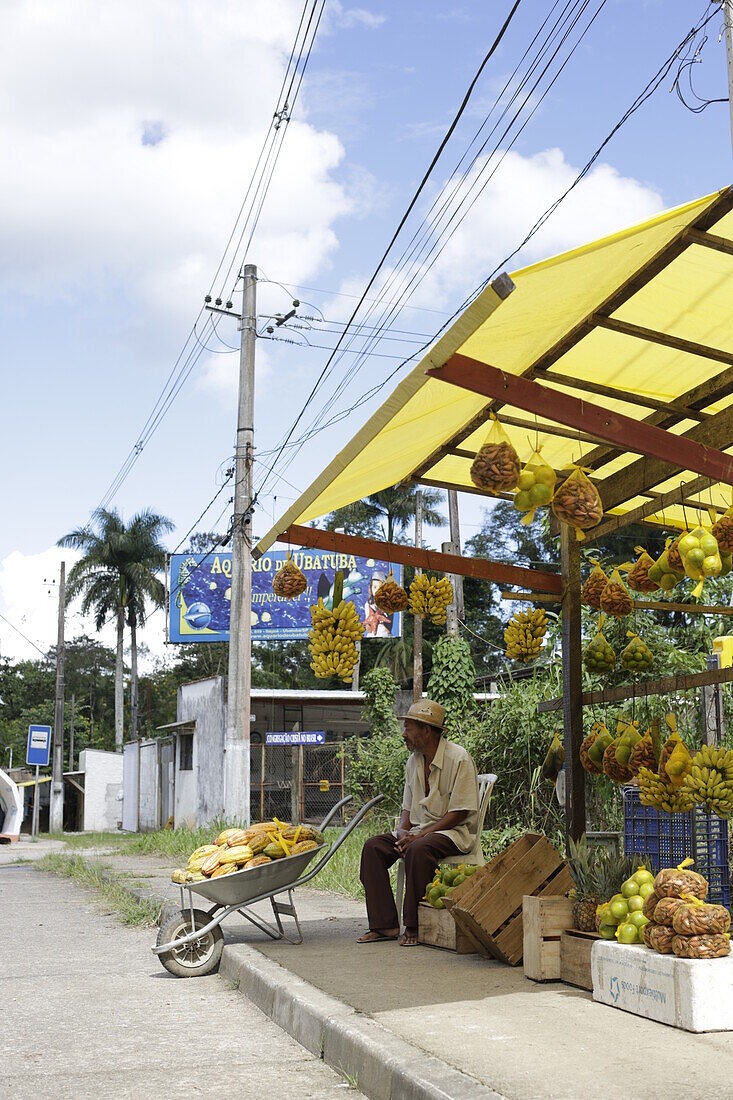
x=471, y=1027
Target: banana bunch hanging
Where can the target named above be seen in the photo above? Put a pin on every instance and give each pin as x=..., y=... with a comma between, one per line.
x=333, y=636
x=525, y=634
x=430, y=598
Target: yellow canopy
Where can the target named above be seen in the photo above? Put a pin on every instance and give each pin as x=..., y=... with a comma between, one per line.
x=642, y=317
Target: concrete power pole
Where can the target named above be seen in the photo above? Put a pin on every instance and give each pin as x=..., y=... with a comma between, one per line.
x=727, y=6
x=455, y=611
x=237, y=748
x=417, y=621
x=56, y=810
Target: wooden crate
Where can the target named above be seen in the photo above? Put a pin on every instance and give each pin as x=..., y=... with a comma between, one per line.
x=436, y=928
x=575, y=949
x=488, y=906
x=543, y=922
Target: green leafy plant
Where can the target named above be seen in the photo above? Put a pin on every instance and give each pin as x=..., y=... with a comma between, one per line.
x=375, y=764
x=453, y=678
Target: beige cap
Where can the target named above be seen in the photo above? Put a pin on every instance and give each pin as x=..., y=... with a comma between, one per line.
x=426, y=711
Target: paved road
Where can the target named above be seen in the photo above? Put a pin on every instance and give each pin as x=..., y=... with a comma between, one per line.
x=87, y=1011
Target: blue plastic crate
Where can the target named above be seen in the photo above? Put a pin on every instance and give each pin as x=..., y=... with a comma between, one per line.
x=666, y=839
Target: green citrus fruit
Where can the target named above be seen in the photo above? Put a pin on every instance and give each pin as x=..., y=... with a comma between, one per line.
x=627, y=933
x=527, y=479
x=540, y=494
x=638, y=920
x=630, y=888
x=619, y=910
x=686, y=543
x=608, y=931
x=522, y=501
x=635, y=903
x=643, y=875
x=646, y=889
x=605, y=914
x=545, y=475
x=695, y=557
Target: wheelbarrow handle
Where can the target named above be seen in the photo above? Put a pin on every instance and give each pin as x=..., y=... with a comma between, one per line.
x=340, y=839
x=334, y=810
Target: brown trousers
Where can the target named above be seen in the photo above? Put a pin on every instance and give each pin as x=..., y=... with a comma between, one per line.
x=421, y=859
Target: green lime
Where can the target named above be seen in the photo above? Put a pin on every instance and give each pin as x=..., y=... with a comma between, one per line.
x=630, y=888
x=627, y=933
x=646, y=889
x=619, y=910
x=607, y=931
x=636, y=903
x=638, y=920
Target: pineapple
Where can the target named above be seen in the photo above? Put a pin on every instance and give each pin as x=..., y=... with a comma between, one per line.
x=598, y=873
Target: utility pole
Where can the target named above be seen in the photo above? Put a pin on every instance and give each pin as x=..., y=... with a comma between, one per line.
x=71, y=735
x=237, y=748
x=56, y=808
x=455, y=611
x=727, y=6
x=416, y=620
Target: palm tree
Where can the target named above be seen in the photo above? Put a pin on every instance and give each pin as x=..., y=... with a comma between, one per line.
x=386, y=514
x=146, y=558
x=115, y=576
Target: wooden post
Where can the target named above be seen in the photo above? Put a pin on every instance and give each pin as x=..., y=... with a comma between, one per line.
x=572, y=684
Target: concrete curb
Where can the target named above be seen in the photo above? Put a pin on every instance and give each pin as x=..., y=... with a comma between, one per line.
x=384, y=1066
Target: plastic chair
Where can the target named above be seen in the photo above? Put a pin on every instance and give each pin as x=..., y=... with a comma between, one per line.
x=485, y=786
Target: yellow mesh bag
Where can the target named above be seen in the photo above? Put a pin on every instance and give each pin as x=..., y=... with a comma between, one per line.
x=496, y=467
x=535, y=487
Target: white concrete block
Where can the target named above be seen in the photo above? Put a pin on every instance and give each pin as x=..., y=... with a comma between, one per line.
x=693, y=994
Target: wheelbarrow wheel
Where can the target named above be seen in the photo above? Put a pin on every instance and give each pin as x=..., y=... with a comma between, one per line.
x=191, y=960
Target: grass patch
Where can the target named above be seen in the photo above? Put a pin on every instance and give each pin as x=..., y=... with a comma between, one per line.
x=95, y=876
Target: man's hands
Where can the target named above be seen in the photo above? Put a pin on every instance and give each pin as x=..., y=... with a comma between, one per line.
x=404, y=839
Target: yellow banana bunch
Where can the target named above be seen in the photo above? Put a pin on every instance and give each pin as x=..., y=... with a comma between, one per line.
x=659, y=793
x=525, y=634
x=332, y=640
x=430, y=597
x=711, y=780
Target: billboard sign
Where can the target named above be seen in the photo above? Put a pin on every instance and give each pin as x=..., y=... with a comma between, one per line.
x=200, y=595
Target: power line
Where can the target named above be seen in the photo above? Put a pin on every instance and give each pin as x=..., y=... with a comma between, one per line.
x=23, y=636
x=404, y=218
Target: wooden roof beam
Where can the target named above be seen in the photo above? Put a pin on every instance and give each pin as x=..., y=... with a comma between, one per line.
x=696, y=450
x=710, y=240
x=610, y=524
x=494, y=571
x=665, y=339
x=617, y=394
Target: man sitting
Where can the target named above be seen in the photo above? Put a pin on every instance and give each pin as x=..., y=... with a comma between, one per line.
x=439, y=818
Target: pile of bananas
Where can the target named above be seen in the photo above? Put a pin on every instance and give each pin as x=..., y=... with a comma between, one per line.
x=289, y=582
x=390, y=596
x=659, y=793
x=525, y=634
x=711, y=780
x=332, y=640
x=430, y=598
x=241, y=849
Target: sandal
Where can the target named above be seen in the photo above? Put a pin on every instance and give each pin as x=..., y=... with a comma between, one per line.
x=377, y=937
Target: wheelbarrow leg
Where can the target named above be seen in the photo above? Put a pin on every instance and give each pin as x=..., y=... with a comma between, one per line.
x=287, y=909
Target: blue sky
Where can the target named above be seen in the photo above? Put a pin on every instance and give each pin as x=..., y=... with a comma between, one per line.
x=131, y=135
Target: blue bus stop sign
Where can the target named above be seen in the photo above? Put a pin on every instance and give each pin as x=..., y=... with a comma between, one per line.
x=39, y=746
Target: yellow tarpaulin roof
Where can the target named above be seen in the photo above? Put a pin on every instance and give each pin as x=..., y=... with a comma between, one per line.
x=645, y=314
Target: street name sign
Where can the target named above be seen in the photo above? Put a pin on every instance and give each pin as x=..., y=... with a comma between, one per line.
x=297, y=737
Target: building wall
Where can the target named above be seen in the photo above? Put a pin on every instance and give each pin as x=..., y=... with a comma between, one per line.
x=102, y=789
x=149, y=781
x=200, y=792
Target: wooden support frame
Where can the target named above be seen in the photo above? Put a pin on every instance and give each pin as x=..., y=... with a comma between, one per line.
x=611, y=524
x=616, y=394
x=666, y=686
x=572, y=684
x=675, y=451
x=481, y=568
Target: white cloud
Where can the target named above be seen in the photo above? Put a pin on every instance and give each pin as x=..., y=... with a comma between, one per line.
x=29, y=600
x=357, y=17
x=133, y=128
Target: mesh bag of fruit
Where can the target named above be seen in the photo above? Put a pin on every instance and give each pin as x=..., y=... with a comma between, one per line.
x=535, y=486
x=598, y=656
x=585, y=759
x=578, y=503
x=638, y=574
x=591, y=592
x=673, y=882
x=679, y=764
x=650, y=904
x=616, y=771
x=615, y=598
x=391, y=596
x=665, y=910
x=723, y=531
x=664, y=573
x=643, y=755
x=646, y=933
x=661, y=938
x=496, y=467
x=553, y=762
x=701, y=947
x=289, y=582
x=637, y=656
x=695, y=918
x=700, y=556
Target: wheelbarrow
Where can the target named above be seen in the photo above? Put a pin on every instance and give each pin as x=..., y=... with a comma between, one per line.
x=190, y=944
